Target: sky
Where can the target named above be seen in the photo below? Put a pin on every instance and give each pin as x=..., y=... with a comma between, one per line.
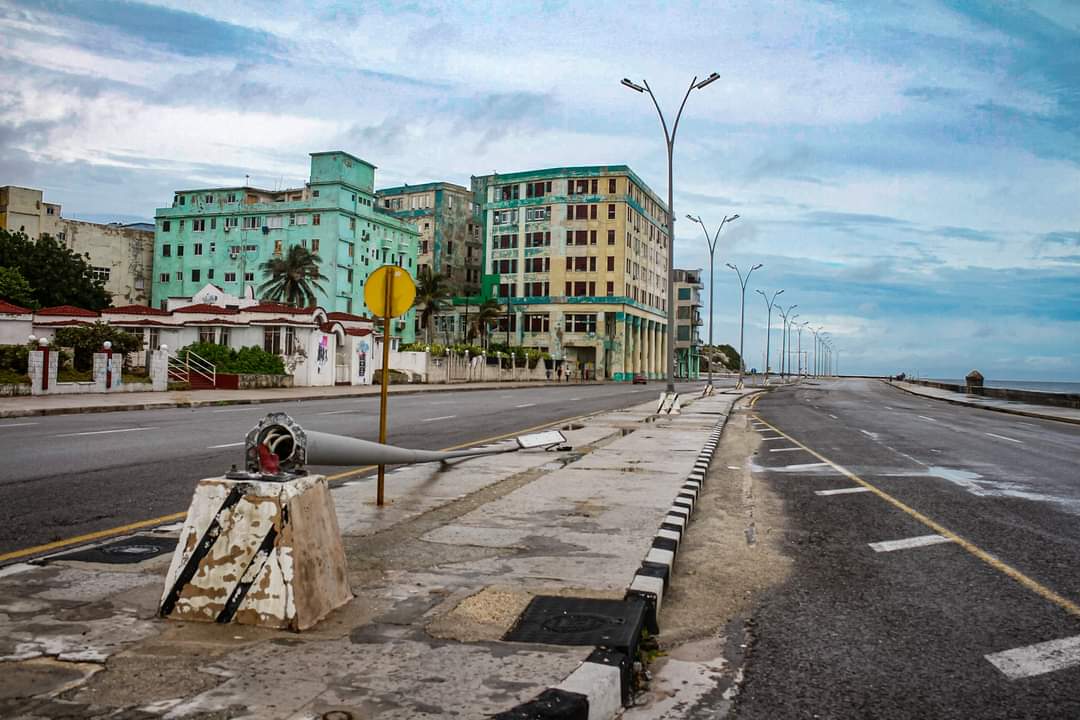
x=907, y=172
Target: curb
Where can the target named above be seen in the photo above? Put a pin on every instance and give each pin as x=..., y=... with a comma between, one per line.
x=168, y=405
x=602, y=685
x=1010, y=411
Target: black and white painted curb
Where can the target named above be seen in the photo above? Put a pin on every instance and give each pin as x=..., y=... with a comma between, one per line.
x=601, y=686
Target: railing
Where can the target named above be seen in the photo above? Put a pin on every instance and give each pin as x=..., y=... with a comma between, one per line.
x=181, y=369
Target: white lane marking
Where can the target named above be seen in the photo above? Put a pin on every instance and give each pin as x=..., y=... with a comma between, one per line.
x=1002, y=437
x=215, y=447
x=16, y=425
x=765, y=439
x=785, y=449
x=240, y=409
x=525, y=405
x=105, y=432
x=334, y=412
x=443, y=417
x=573, y=399
x=926, y=418
x=799, y=467
x=1037, y=659
x=886, y=407
x=906, y=543
x=842, y=491
x=733, y=467
x=869, y=434
x=833, y=416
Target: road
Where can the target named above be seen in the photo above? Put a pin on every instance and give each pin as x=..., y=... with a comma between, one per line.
x=67, y=475
x=980, y=515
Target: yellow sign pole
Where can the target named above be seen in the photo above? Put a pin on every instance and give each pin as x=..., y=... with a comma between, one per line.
x=385, y=379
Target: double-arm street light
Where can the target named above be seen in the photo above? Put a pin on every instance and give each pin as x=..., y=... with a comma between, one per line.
x=768, y=329
x=669, y=139
x=742, y=313
x=817, y=346
x=787, y=316
x=712, y=282
x=798, y=354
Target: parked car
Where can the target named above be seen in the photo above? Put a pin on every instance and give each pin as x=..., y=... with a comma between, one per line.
x=640, y=379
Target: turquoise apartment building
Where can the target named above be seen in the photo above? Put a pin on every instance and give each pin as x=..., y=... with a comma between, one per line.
x=224, y=235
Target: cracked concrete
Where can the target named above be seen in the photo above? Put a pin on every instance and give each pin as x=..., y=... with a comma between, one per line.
x=438, y=575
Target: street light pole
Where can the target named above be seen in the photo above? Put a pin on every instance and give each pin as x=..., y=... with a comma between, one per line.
x=669, y=139
x=783, y=338
x=798, y=353
x=768, y=328
x=712, y=281
x=742, y=314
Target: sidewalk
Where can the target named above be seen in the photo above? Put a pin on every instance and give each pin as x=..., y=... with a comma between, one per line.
x=24, y=405
x=1044, y=412
x=440, y=575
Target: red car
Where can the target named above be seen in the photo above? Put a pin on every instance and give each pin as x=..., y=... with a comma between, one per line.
x=640, y=379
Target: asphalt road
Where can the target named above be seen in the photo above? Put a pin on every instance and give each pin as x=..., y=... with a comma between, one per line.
x=918, y=631
x=67, y=475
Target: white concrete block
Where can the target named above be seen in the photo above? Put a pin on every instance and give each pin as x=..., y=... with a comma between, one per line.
x=658, y=555
x=601, y=684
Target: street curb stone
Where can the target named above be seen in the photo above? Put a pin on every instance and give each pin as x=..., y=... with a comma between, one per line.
x=1010, y=411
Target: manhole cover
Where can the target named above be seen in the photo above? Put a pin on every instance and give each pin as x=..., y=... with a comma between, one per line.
x=553, y=620
x=122, y=552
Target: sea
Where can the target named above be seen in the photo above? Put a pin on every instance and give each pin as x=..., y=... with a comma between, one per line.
x=1070, y=388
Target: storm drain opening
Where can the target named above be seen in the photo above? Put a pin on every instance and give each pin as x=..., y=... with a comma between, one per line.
x=127, y=551
x=611, y=624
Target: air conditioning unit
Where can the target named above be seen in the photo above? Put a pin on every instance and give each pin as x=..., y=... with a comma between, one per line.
x=234, y=255
x=266, y=230
x=227, y=227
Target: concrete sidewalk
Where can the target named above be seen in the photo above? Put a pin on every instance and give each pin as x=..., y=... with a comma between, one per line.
x=439, y=574
x=96, y=402
x=1043, y=412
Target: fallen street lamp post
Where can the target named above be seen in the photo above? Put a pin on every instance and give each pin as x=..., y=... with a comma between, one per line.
x=669, y=139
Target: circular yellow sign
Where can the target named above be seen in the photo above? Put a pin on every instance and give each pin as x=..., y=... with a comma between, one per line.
x=402, y=291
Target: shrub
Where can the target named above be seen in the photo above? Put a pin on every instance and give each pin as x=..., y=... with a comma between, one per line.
x=89, y=339
x=14, y=358
x=252, y=360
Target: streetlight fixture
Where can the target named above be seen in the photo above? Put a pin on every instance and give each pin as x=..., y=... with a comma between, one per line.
x=783, y=337
x=742, y=314
x=712, y=281
x=798, y=353
x=669, y=139
x=817, y=344
x=768, y=332
x=787, y=338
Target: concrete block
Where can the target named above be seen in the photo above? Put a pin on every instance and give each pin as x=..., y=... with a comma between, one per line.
x=601, y=684
x=258, y=553
x=664, y=557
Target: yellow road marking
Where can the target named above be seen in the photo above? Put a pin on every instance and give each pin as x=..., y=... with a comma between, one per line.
x=1031, y=584
x=112, y=532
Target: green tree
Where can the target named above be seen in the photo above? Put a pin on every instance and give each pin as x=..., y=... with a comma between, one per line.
x=293, y=279
x=89, y=339
x=56, y=275
x=432, y=295
x=489, y=311
x=15, y=289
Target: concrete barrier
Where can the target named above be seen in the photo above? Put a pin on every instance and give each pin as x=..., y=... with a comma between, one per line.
x=255, y=552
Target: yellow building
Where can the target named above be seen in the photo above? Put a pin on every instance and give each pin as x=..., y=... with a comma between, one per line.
x=120, y=255
x=580, y=255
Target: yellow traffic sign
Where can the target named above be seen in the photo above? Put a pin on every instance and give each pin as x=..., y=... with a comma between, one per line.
x=402, y=291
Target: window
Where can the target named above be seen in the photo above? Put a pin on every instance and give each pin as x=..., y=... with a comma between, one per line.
x=507, y=290
x=610, y=237
x=314, y=245
x=251, y=222
x=316, y=219
x=183, y=200
x=684, y=332
x=611, y=188
x=213, y=223
x=592, y=264
x=505, y=241
x=198, y=249
x=275, y=222
x=50, y=211
x=315, y=193
x=179, y=276
x=684, y=293
x=577, y=187
x=166, y=225
x=594, y=186
x=251, y=248
x=213, y=248
x=592, y=212
x=163, y=277
x=536, y=322
x=537, y=289
x=179, y=251
x=279, y=340
x=539, y=214
x=611, y=211
x=537, y=189
x=581, y=237
x=230, y=277
x=231, y=222
x=196, y=275
x=610, y=289
x=423, y=247
x=166, y=251
x=277, y=247
x=207, y=335
x=611, y=263
x=352, y=223
x=581, y=322
x=249, y=277
x=181, y=224
x=507, y=192
x=538, y=239
x=592, y=236
x=537, y=264
x=449, y=247
x=503, y=267
x=223, y=336
x=505, y=217
x=231, y=197
x=210, y=274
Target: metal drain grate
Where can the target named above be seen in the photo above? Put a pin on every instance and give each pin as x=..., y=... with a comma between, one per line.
x=613, y=624
x=122, y=552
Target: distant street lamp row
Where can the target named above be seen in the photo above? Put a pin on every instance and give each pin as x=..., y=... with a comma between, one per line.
x=822, y=347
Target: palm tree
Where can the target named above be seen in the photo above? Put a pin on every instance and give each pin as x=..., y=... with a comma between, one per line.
x=293, y=279
x=432, y=293
x=488, y=312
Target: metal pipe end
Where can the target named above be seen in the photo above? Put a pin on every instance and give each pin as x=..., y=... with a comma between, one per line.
x=276, y=444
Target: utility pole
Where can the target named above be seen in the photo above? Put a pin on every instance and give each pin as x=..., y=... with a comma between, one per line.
x=669, y=139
